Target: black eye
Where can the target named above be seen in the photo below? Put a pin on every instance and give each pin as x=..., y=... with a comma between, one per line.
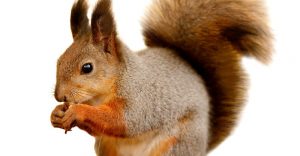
x=87, y=68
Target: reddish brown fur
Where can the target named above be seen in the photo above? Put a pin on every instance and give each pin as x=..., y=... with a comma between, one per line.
x=163, y=147
x=106, y=119
x=108, y=146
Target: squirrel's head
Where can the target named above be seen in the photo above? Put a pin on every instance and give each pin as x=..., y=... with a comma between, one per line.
x=87, y=71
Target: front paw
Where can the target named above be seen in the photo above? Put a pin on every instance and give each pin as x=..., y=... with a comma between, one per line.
x=63, y=116
x=70, y=118
x=57, y=115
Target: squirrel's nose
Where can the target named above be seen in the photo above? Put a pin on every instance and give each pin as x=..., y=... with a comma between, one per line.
x=60, y=96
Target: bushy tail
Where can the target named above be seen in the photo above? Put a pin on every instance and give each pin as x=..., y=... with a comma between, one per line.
x=212, y=35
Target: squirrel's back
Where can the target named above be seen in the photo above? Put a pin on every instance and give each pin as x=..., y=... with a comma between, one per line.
x=212, y=35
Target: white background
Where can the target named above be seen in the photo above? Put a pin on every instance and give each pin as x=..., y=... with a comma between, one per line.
x=34, y=33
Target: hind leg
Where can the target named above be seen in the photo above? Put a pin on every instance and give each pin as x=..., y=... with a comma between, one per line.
x=192, y=139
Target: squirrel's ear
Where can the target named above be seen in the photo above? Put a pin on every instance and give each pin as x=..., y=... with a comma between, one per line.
x=79, y=20
x=103, y=26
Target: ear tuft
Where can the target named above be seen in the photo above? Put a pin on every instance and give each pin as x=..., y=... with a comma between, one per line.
x=79, y=20
x=103, y=25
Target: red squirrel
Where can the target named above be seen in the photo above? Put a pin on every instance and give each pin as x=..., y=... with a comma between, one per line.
x=182, y=95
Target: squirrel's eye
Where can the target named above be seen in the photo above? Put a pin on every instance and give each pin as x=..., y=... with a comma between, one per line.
x=87, y=68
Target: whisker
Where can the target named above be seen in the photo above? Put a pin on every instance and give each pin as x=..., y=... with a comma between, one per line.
x=72, y=95
x=80, y=94
x=52, y=92
x=84, y=90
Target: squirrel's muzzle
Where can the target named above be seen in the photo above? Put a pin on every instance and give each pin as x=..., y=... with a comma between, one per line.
x=60, y=95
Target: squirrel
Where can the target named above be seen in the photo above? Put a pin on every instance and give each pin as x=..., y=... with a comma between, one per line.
x=182, y=95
